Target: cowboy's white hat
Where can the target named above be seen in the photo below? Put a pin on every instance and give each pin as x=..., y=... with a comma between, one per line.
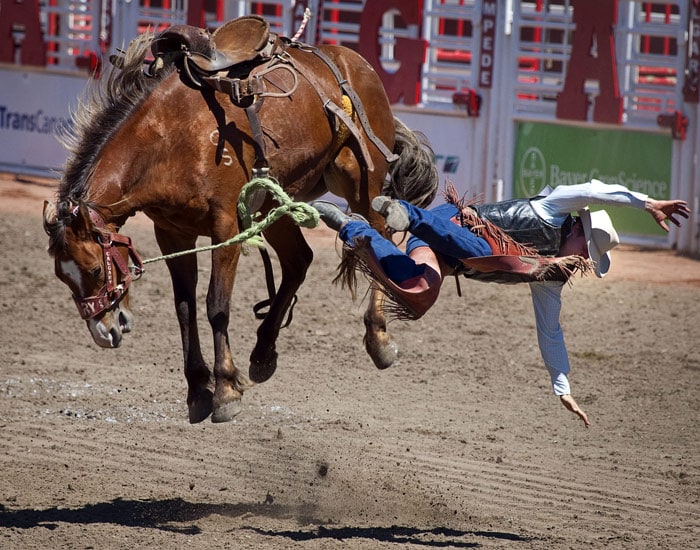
x=601, y=238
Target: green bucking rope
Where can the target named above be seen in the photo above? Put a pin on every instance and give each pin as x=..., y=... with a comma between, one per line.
x=302, y=214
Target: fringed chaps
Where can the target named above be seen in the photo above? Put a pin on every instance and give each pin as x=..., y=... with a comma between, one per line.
x=401, y=303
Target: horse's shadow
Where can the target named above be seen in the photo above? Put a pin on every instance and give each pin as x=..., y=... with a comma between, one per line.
x=179, y=516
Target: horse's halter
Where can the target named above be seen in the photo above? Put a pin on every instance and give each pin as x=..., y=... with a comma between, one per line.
x=113, y=291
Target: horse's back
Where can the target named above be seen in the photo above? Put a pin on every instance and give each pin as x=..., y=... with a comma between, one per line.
x=364, y=80
x=353, y=65
x=224, y=149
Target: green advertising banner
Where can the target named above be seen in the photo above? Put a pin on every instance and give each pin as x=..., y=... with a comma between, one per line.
x=549, y=154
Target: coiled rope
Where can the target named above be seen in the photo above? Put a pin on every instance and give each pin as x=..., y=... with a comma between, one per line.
x=302, y=214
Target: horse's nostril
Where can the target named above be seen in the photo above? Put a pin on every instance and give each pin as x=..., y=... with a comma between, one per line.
x=124, y=322
x=116, y=335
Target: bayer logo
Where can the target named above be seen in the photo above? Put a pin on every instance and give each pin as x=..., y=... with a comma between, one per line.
x=533, y=172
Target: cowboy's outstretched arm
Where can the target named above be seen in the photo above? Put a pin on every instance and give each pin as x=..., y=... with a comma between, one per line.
x=570, y=403
x=667, y=210
x=546, y=299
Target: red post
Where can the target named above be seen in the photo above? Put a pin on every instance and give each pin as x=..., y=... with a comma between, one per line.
x=409, y=52
x=26, y=15
x=195, y=13
x=593, y=19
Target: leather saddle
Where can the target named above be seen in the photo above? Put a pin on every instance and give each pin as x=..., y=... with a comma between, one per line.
x=241, y=42
x=227, y=60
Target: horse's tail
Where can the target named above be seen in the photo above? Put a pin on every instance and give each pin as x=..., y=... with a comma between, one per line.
x=414, y=176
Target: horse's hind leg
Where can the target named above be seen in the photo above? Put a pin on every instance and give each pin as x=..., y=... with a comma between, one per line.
x=295, y=257
x=183, y=273
x=379, y=343
x=342, y=177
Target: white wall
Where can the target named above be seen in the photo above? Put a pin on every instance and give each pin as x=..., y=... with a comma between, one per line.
x=33, y=103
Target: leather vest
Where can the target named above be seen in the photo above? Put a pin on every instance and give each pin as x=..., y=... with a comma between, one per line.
x=518, y=219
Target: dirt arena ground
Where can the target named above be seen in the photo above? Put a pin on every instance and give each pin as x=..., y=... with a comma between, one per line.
x=461, y=446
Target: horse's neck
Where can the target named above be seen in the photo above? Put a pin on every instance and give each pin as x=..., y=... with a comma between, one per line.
x=117, y=186
x=109, y=199
x=152, y=158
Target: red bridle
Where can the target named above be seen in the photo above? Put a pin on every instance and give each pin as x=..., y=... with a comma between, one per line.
x=113, y=290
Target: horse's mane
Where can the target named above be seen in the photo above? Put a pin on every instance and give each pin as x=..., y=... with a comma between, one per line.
x=107, y=102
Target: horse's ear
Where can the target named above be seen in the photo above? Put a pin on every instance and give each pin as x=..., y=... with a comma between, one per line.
x=50, y=215
x=82, y=222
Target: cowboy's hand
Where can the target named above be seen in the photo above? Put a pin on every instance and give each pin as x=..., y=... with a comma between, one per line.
x=570, y=404
x=667, y=210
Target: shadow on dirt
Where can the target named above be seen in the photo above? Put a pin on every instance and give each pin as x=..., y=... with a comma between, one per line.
x=177, y=516
x=438, y=537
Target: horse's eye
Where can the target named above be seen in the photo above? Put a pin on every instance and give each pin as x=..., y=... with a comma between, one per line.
x=96, y=272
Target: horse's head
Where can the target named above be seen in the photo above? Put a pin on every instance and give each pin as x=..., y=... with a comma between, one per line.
x=94, y=262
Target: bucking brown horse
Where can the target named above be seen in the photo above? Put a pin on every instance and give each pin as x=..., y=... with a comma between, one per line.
x=175, y=130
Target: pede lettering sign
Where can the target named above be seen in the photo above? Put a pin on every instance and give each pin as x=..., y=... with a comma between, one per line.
x=691, y=84
x=488, y=43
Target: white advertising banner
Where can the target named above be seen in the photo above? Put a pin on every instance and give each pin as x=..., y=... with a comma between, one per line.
x=34, y=104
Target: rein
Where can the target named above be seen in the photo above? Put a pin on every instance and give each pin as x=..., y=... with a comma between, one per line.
x=112, y=293
x=303, y=214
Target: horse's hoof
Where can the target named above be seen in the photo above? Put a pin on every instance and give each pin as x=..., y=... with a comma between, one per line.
x=200, y=407
x=384, y=356
x=260, y=371
x=227, y=411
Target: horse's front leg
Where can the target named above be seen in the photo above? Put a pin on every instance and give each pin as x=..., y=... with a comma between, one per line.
x=183, y=273
x=229, y=381
x=295, y=257
x=379, y=343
